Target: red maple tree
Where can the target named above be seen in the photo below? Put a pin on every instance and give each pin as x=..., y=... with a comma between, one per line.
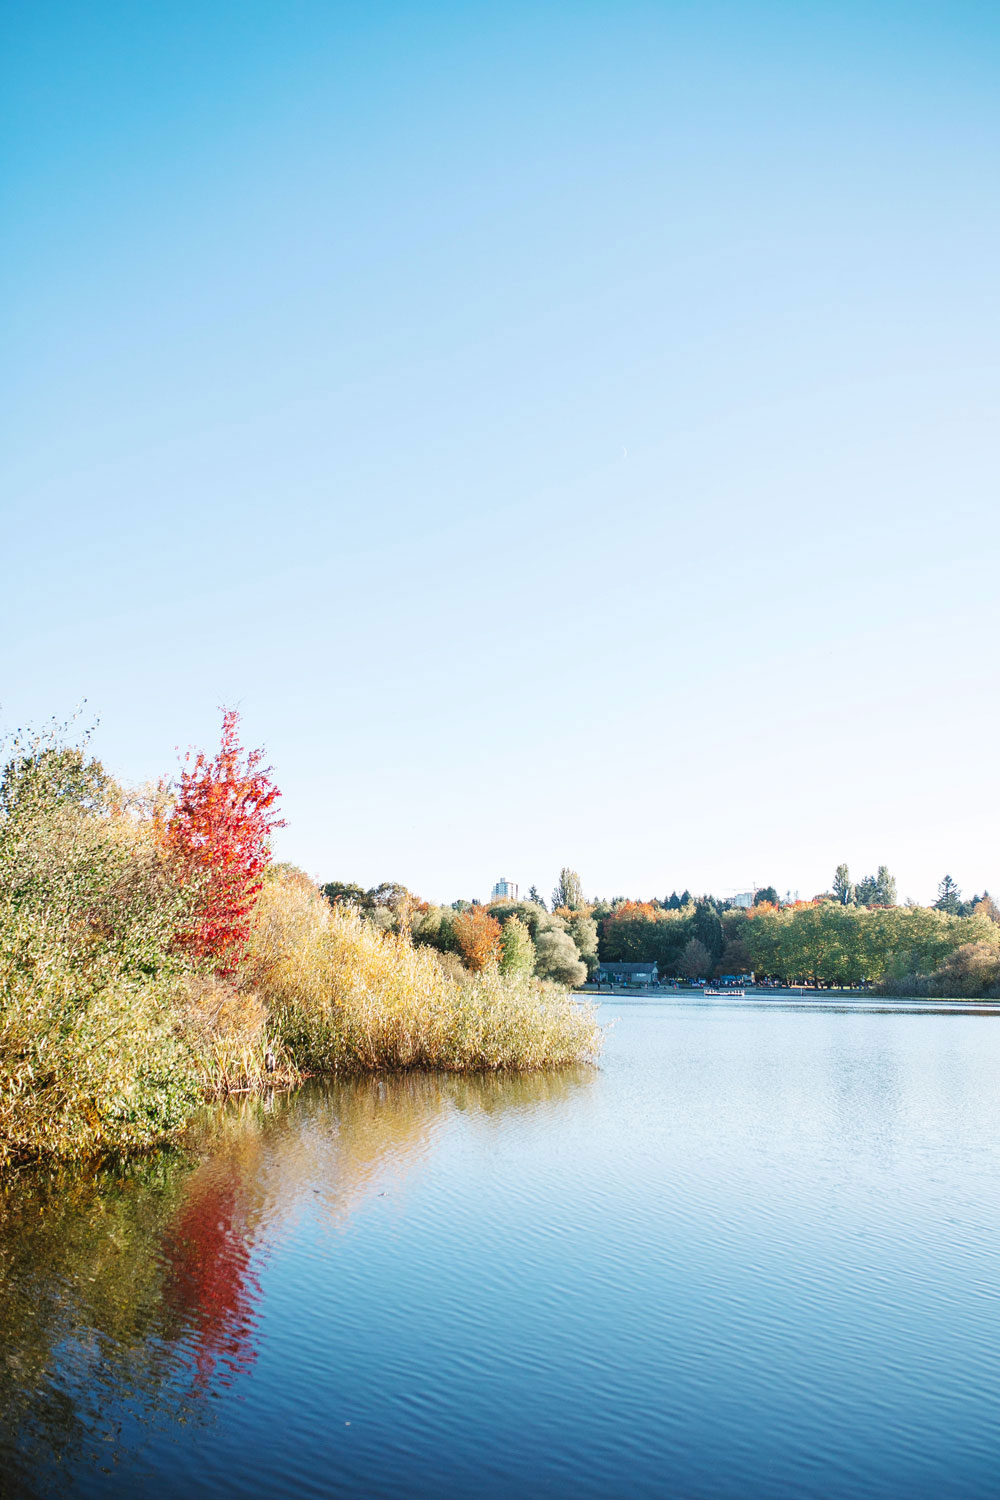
x=219, y=831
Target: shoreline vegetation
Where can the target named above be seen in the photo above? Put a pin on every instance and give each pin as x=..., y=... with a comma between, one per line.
x=152, y=957
x=849, y=937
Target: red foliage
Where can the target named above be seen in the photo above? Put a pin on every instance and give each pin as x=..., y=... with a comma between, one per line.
x=210, y=1281
x=219, y=831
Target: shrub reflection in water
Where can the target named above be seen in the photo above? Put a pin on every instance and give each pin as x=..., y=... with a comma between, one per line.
x=136, y=1286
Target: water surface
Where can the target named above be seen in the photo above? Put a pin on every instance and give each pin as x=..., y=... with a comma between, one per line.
x=755, y=1254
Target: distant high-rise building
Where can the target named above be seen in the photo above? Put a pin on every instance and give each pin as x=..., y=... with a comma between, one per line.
x=504, y=890
x=744, y=899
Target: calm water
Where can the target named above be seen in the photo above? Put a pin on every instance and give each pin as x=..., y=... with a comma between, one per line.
x=755, y=1254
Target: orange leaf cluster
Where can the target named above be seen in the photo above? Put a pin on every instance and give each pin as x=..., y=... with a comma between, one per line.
x=478, y=937
x=630, y=911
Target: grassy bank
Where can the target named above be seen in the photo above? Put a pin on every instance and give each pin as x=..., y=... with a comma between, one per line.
x=115, y=1026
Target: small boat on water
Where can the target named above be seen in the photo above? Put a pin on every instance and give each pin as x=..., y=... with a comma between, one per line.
x=729, y=994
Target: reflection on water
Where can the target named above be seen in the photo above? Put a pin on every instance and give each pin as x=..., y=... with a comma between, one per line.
x=136, y=1286
x=753, y=1256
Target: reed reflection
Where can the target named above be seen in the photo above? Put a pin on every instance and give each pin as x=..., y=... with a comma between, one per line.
x=139, y=1285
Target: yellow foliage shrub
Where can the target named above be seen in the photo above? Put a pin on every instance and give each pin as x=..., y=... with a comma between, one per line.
x=345, y=996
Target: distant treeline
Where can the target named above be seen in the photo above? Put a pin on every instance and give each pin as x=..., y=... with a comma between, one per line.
x=523, y=936
x=852, y=934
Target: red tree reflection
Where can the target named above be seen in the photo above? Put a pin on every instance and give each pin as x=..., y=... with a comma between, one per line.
x=210, y=1284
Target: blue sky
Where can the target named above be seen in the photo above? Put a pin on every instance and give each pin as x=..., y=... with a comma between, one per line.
x=568, y=433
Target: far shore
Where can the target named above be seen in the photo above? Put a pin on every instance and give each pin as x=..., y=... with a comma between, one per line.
x=785, y=992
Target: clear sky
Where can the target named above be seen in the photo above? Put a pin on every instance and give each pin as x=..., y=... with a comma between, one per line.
x=568, y=432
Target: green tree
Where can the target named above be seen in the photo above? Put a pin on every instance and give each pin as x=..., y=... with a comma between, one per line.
x=534, y=917
x=766, y=893
x=707, y=930
x=696, y=961
x=639, y=932
x=568, y=891
x=843, y=890
x=877, y=890
x=517, y=951
x=53, y=775
x=735, y=957
x=583, y=930
x=342, y=893
x=536, y=896
x=556, y=958
x=949, y=897
x=434, y=927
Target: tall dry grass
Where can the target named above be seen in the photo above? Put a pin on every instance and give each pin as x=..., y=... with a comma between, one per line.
x=344, y=996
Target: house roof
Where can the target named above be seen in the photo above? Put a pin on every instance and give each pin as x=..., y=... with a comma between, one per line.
x=629, y=968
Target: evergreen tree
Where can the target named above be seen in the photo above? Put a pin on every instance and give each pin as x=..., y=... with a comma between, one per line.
x=707, y=930
x=767, y=893
x=949, y=897
x=876, y=890
x=536, y=896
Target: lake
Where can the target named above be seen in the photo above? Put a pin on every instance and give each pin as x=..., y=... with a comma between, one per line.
x=755, y=1253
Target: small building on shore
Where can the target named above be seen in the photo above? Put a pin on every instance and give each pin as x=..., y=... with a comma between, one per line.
x=625, y=973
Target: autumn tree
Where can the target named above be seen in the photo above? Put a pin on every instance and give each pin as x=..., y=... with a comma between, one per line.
x=219, y=832
x=478, y=937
